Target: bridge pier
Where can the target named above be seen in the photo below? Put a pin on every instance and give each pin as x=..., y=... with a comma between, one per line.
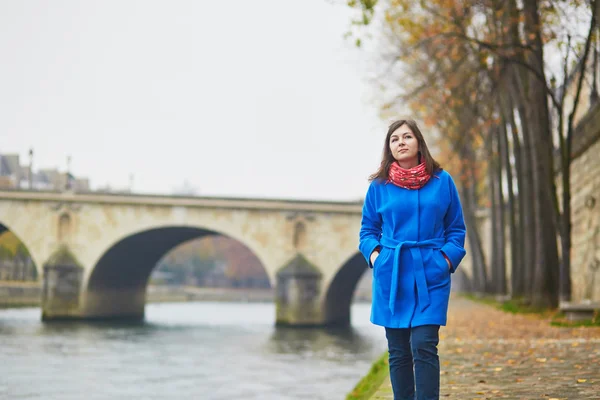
x=61, y=295
x=298, y=294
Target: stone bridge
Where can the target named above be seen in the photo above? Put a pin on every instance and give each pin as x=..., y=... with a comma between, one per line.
x=95, y=252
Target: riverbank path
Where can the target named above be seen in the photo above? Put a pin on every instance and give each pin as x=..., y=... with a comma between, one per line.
x=486, y=353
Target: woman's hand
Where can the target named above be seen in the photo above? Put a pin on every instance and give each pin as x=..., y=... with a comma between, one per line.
x=374, y=256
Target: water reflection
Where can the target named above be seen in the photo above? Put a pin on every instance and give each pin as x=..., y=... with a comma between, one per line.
x=202, y=350
x=319, y=340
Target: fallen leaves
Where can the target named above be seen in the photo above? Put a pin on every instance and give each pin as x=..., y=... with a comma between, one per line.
x=517, y=357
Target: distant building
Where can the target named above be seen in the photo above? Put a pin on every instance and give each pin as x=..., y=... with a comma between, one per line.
x=81, y=184
x=6, y=182
x=17, y=270
x=10, y=171
x=13, y=175
x=110, y=189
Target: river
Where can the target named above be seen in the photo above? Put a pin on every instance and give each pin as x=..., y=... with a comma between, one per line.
x=200, y=350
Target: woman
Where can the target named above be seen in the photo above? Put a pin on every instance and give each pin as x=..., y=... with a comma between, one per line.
x=412, y=235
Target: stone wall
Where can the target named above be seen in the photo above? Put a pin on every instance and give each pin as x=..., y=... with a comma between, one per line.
x=14, y=294
x=585, y=213
x=29, y=294
x=585, y=208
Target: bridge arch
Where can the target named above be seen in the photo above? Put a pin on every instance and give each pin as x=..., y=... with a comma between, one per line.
x=97, y=229
x=28, y=247
x=116, y=285
x=340, y=291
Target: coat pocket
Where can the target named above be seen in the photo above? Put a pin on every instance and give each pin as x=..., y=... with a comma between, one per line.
x=382, y=272
x=381, y=261
x=437, y=272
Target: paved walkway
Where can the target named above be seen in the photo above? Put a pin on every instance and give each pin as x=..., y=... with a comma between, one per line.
x=490, y=354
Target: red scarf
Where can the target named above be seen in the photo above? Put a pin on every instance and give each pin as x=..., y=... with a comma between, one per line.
x=413, y=178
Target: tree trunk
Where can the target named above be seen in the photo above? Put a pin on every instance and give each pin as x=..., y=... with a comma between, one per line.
x=526, y=193
x=511, y=203
x=477, y=256
x=497, y=227
x=545, y=279
x=518, y=268
x=470, y=207
x=473, y=231
x=482, y=265
x=565, y=270
x=500, y=236
x=518, y=89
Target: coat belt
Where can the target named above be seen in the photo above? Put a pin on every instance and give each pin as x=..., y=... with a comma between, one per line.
x=422, y=291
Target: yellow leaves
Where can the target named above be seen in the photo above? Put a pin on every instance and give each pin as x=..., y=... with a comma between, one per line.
x=429, y=121
x=581, y=380
x=455, y=54
x=388, y=17
x=478, y=141
x=541, y=360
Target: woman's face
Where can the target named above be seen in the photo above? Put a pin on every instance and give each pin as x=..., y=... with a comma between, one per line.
x=404, y=147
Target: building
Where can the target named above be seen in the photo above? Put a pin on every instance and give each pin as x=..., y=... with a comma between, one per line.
x=13, y=175
x=10, y=171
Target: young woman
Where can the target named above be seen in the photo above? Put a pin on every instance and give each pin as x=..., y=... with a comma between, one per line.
x=412, y=235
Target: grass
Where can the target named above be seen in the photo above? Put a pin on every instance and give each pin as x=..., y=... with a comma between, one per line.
x=513, y=306
x=516, y=306
x=560, y=320
x=519, y=306
x=369, y=384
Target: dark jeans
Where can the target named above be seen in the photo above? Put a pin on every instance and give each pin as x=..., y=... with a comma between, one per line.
x=414, y=362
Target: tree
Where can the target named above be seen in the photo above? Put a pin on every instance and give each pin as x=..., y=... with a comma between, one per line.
x=485, y=60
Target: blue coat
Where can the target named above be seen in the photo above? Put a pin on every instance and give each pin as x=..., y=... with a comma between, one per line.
x=411, y=278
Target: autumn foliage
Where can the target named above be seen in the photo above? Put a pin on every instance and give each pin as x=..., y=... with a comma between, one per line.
x=478, y=75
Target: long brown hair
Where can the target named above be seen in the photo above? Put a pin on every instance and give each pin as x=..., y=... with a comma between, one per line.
x=387, y=159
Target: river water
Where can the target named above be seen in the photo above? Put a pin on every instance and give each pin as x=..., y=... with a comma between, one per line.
x=184, y=351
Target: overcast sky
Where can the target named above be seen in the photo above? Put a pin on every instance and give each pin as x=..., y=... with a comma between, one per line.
x=236, y=97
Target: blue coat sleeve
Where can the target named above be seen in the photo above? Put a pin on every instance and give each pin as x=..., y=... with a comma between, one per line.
x=454, y=229
x=370, y=229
